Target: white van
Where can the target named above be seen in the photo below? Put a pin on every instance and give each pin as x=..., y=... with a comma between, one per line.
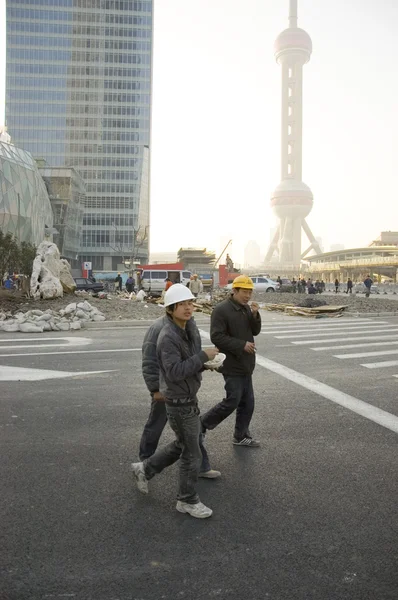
x=155, y=281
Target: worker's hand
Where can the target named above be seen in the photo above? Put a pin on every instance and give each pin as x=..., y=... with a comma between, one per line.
x=211, y=352
x=254, y=308
x=158, y=397
x=250, y=347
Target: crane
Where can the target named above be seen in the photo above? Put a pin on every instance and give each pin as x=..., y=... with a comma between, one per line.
x=219, y=258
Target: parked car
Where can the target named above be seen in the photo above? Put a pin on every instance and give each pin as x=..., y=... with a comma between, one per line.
x=88, y=285
x=261, y=284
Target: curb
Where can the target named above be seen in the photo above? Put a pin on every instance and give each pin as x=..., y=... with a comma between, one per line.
x=122, y=324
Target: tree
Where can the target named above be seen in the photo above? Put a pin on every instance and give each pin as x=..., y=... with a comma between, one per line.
x=9, y=253
x=127, y=252
x=27, y=255
x=15, y=257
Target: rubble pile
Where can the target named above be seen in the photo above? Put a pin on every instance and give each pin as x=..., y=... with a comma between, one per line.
x=72, y=317
x=310, y=302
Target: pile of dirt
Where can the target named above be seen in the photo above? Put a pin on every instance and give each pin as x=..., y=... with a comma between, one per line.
x=358, y=303
x=121, y=308
x=113, y=307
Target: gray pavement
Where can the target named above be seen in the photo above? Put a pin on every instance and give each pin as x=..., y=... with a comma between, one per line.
x=311, y=515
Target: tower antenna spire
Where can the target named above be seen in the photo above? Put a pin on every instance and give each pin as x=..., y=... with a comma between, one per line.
x=293, y=13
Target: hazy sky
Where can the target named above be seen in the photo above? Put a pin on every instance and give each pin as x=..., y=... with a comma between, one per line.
x=216, y=120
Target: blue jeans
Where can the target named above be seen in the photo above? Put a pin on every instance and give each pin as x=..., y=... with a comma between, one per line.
x=153, y=430
x=184, y=421
x=239, y=397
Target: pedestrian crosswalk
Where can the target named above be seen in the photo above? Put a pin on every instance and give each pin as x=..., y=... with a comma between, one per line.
x=337, y=337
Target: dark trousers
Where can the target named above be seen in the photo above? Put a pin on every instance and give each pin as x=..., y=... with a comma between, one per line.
x=184, y=421
x=239, y=397
x=153, y=429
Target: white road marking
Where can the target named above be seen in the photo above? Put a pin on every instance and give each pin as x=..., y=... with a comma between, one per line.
x=381, y=365
x=313, y=330
x=71, y=341
x=365, y=330
x=321, y=323
x=344, y=339
x=348, y=346
x=366, y=354
x=23, y=374
x=372, y=413
x=359, y=407
x=322, y=326
x=72, y=352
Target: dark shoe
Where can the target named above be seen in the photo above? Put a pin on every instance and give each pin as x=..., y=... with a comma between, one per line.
x=247, y=442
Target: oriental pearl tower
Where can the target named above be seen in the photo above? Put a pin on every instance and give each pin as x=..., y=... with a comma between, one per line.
x=292, y=200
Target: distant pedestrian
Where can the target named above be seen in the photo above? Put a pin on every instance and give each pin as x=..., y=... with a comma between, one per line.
x=368, y=285
x=323, y=286
x=195, y=286
x=168, y=285
x=8, y=284
x=336, y=285
x=318, y=287
x=349, y=286
x=119, y=282
x=312, y=289
x=130, y=283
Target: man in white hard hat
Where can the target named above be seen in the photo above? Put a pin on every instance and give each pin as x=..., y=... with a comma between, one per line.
x=181, y=361
x=157, y=418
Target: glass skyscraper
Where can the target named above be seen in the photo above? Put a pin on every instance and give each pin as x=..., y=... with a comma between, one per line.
x=78, y=94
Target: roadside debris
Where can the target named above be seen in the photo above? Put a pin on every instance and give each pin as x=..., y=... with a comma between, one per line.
x=316, y=311
x=72, y=317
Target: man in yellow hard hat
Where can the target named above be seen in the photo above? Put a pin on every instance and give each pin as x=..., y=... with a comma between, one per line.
x=233, y=326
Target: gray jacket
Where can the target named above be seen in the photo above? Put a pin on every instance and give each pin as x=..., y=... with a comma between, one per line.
x=150, y=363
x=181, y=361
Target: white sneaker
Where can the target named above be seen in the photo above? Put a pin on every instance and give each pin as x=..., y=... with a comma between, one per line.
x=211, y=474
x=198, y=510
x=139, y=474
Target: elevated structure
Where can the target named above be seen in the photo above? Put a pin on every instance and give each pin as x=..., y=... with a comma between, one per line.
x=197, y=260
x=355, y=263
x=25, y=208
x=292, y=200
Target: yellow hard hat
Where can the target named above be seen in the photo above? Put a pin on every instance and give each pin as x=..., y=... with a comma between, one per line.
x=243, y=281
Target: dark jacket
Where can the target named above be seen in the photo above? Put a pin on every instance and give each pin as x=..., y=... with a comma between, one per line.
x=368, y=282
x=232, y=325
x=150, y=364
x=181, y=359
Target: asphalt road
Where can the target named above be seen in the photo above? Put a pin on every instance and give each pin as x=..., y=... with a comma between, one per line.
x=311, y=515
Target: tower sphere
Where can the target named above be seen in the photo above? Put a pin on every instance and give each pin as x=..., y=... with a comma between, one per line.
x=291, y=40
x=292, y=199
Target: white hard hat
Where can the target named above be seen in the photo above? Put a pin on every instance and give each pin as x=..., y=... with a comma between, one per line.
x=177, y=293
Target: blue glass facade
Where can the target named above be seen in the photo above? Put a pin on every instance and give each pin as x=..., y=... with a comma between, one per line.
x=78, y=94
